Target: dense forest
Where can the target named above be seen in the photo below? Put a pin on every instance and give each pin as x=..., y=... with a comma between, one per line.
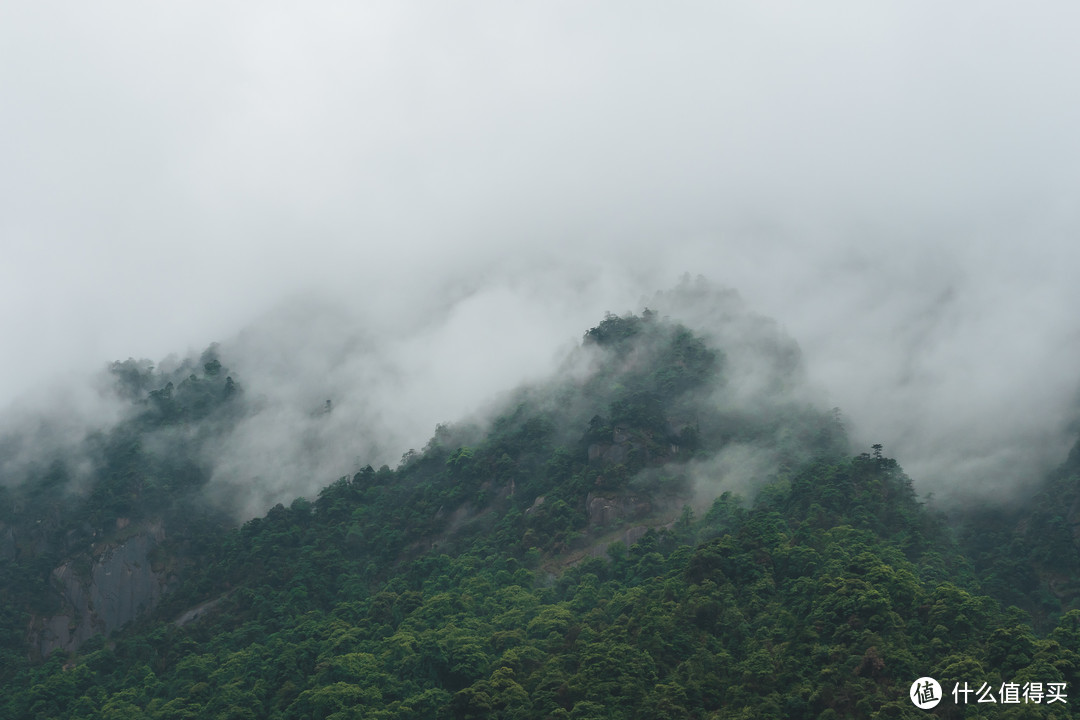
x=641, y=537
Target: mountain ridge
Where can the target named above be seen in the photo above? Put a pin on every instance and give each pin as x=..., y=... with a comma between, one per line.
x=585, y=553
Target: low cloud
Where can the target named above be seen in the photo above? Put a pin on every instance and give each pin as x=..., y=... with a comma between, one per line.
x=412, y=209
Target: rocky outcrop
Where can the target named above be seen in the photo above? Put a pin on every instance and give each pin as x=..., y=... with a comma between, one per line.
x=199, y=611
x=618, y=450
x=627, y=442
x=536, y=503
x=121, y=584
x=612, y=453
x=609, y=510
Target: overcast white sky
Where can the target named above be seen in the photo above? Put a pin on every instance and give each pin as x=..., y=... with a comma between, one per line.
x=895, y=183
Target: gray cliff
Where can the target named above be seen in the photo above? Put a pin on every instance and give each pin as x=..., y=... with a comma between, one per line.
x=122, y=583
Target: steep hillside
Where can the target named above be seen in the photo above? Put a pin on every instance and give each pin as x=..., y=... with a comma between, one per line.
x=101, y=528
x=644, y=536
x=1028, y=551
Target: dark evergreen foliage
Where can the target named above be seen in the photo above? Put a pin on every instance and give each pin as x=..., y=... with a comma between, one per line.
x=552, y=566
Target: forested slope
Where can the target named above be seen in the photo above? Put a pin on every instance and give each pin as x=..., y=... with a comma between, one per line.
x=103, y=525
x=579, y=555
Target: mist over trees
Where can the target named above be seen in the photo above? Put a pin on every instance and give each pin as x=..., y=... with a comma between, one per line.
x=671, y=525
x=453, y=456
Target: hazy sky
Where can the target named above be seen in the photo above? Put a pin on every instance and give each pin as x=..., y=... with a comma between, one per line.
x=475, y=183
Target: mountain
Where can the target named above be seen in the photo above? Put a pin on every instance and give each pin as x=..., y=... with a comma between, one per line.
x=1027, y=552
x=669, y=527
x=100, y=528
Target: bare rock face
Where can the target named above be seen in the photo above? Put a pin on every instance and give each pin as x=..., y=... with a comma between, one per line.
x=632, y=535
x=615, y=451
x=604, y=510
x=197, y=612
x=624, y=442
x=610, y=453
x=9, y=549
x=121, y=585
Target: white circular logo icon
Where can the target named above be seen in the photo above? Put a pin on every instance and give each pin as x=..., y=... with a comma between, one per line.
x=925, y=693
